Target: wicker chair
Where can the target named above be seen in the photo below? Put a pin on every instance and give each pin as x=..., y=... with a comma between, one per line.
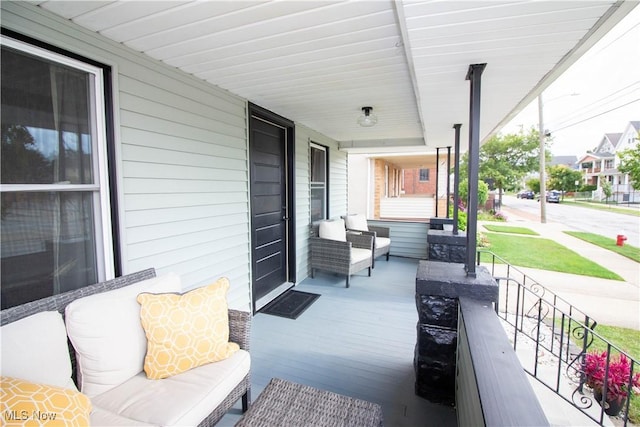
x=239, y=331
x=343, y=257
x=382, y=240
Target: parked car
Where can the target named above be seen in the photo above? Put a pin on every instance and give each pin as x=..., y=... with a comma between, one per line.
x=553, y=196
x=525, y=194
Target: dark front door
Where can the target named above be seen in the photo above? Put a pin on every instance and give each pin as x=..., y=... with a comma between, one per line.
x=269, y=205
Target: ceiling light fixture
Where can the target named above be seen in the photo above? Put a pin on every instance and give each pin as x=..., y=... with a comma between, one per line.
x=367, y=118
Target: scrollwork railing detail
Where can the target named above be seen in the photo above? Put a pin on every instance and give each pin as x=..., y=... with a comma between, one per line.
x=559, y=335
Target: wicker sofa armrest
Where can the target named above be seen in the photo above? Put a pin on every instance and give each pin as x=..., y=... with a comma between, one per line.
x=368, y=233
x=240, y=328
x=327, y=249
x=380, y=231
x=361, y=240
x=328, y=243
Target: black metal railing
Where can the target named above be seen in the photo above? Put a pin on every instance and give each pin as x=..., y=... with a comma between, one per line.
x=557, y=344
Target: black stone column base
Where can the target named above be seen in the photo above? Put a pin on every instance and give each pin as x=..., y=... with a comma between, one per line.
x=438, y=287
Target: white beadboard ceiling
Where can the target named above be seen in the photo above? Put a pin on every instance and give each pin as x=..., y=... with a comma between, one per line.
x=319, y=62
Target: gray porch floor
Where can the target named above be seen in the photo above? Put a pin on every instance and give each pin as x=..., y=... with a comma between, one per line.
x=357, y=341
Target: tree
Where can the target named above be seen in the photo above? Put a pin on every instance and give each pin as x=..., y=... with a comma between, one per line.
x=563, y=178
x=606, y=187
x=533, y=184
x=21, y=161
x=630, y=163
x=505, y=159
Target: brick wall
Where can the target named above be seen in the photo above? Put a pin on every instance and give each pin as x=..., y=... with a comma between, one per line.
x=379, y=183
x=413, y=185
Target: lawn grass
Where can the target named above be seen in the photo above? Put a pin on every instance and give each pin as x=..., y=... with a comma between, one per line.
x=512, y=230
x=628, y=251
x=602, y=207
x=628, y=340
x=544, y=254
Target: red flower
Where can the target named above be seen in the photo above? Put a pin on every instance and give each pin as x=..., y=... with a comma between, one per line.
x=595, y=365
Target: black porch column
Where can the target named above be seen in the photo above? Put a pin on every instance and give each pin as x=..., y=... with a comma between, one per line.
x=474, y=75
x=448, y=178
x=456, y=177
x=437, y=178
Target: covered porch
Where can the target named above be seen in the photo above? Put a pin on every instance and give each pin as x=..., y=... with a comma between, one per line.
x=183, y=83
x=357, y=342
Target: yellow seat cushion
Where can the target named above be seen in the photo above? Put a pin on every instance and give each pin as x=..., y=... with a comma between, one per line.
x=185, y=331
x=25, y=404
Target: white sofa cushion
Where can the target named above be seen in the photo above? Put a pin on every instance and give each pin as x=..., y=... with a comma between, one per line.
x=382, y=242
x=333, y=230
x=358, y=254
x=183, y=399
x=356, y=222
x=35, y=349
x=106, y=332
x=102, y=417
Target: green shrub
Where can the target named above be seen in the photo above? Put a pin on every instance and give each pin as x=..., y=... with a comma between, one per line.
x=483, y=192
x=587, y=187
x=462, y=220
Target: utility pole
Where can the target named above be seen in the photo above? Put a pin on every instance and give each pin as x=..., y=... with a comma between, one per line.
x=543, y=186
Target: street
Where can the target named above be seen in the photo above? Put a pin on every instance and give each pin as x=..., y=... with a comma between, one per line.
x=577, y=218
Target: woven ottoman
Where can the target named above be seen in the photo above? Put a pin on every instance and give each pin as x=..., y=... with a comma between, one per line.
x=286, y=404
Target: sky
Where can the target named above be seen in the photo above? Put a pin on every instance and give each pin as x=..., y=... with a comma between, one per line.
x=598, y=94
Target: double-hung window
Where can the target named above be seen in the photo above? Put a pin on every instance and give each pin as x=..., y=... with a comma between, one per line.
x=319, y=183
x=424, y=175
x=55, y=212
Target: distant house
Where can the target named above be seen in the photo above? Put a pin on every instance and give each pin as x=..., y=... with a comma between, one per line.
x=568, y=161
x=603, y=161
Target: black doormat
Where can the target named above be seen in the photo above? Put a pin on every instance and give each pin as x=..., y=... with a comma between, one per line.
x=290, y=304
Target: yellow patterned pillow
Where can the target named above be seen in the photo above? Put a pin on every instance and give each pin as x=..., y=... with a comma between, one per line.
x=25, y=403
x=185, y=331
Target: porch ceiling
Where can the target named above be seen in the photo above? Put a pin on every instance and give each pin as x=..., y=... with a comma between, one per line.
x=317, y=62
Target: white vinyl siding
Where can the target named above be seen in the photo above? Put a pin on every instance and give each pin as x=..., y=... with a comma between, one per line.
x=408, y=239
x=181, y=165
x=337, y=190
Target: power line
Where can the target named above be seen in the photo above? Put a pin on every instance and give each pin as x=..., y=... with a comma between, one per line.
x=594, y=105
x=616, y=39
x=597, y=115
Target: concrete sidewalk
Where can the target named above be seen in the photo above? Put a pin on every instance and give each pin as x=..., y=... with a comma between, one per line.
x=609, y=302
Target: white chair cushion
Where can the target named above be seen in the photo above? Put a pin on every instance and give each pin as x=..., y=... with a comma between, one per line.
x=102, y=417
x=107, y=334
x=183, y=399
x=356, y=222
x=333, y=230
x=382, y=242
x=35, y=349
x=358, y=254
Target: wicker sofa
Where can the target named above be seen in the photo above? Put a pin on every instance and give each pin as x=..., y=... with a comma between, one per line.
x=338, y=251
x=381, y=235
x=213, y=398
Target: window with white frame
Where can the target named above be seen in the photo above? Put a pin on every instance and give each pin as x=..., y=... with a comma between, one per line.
x=319, y=182
x=424, y=174
x=55, y=211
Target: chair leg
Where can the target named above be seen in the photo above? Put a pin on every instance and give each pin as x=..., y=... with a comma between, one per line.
x=387, y=256
x=246, y=400
x=312, y=273
x=369, y=271
x=373, y=262
x=348, y=276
